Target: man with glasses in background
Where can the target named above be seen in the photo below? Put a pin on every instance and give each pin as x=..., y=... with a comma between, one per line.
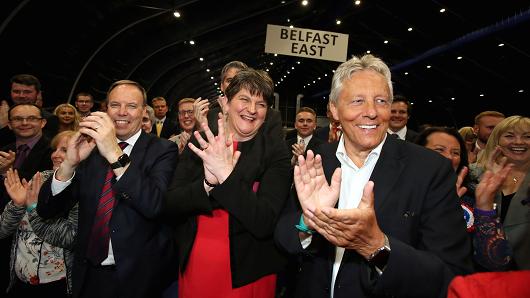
x=186, y=123
x=28, y=153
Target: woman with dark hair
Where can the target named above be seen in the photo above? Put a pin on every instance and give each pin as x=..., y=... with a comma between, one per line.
x=226, y=197
x=449, y=143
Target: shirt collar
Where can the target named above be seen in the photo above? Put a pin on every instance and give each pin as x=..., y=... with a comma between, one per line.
x=401, y=133
x=132, y=140
x=345, y=159
x=31, y=142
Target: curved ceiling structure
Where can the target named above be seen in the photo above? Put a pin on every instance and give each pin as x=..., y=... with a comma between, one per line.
x=451, y=58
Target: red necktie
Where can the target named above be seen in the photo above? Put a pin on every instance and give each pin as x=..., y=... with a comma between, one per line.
x=98, y=245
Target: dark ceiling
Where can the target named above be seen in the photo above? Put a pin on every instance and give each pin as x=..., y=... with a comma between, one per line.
x=85, y=45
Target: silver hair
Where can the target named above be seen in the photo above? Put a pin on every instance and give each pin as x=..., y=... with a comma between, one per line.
x=151, y=113
x=355, y=64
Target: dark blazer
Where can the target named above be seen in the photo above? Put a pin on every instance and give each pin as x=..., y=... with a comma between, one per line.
x=170, y=127
x=416, y=207
x=143, y=247
x=322, y=133
x=411, y=135
x=38, y=159
x=314, y=143
x=252, y=216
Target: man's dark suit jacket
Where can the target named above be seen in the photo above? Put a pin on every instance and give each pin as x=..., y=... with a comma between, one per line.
x=411, y=135
x=38, y=159
x=322, y=133
x=416, y=207
x=143, y=247
x=170, y=127
x=314, y=143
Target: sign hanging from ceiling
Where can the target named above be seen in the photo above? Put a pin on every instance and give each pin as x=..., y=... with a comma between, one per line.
x=306, y=43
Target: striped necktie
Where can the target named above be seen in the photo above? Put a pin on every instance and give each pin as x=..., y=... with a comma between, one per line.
x=98, y=244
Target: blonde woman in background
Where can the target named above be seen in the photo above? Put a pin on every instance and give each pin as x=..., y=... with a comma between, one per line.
x=68, y=117
x=469, y=136
x=508, y=209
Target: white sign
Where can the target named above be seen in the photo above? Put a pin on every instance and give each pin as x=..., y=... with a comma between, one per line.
x=306, y=43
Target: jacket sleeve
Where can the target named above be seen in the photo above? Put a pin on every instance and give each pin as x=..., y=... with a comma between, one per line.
x=186, y=195
x=145, y=182
x=59, y=231
x=10, y=219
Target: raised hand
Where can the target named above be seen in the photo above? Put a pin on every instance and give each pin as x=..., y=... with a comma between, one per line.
x=490, y=184
x=7, y=159
x=312, y=189
x=355, y=228
x=216, y=153
x=34, y=186
x=297, y=149
x=461, y=190
x=100, y=128
x=4, y=114
x=16, y=189
x=200, y=111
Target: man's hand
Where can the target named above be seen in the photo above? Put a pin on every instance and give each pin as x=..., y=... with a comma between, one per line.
x=311, y=186
x=101, y=129
x=297, y=149
x=4, y=114
x=200, y=111
x=7, y=159
x=78, y=148
x=355, y=228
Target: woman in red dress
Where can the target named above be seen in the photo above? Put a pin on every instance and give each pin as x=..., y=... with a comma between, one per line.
x=226, y=196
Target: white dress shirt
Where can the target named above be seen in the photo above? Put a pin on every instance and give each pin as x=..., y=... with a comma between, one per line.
x=352, y=185
x=401, y=133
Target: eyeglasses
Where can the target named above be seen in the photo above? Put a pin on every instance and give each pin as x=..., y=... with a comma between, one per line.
x=29, y=119
x=186, y=112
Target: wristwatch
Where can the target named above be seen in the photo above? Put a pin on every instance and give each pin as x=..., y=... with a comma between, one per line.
x=379, y=258
x=122, y=161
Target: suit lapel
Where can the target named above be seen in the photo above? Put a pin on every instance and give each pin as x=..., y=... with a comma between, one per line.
x=387, y=170
x=518, y=211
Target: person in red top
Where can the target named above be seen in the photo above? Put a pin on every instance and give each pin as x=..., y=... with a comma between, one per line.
x=226, y=197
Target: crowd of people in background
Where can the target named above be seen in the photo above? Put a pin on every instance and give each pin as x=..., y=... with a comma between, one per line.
x=199, y=198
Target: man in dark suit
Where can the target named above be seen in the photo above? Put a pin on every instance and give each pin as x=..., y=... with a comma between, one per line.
x=125, y=251
x=25, y=88
x=389, y=223
x=399, y=117
x=164, y=125
x=331, y=132
x=305, y=125
x=25, y=122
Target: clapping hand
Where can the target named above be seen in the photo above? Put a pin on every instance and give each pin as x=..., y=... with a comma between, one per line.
x=311, y=186
x=355, y=228
x=16, y=188
x=216, y=153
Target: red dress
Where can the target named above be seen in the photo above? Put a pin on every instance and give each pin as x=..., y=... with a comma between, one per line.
x=208, y=272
